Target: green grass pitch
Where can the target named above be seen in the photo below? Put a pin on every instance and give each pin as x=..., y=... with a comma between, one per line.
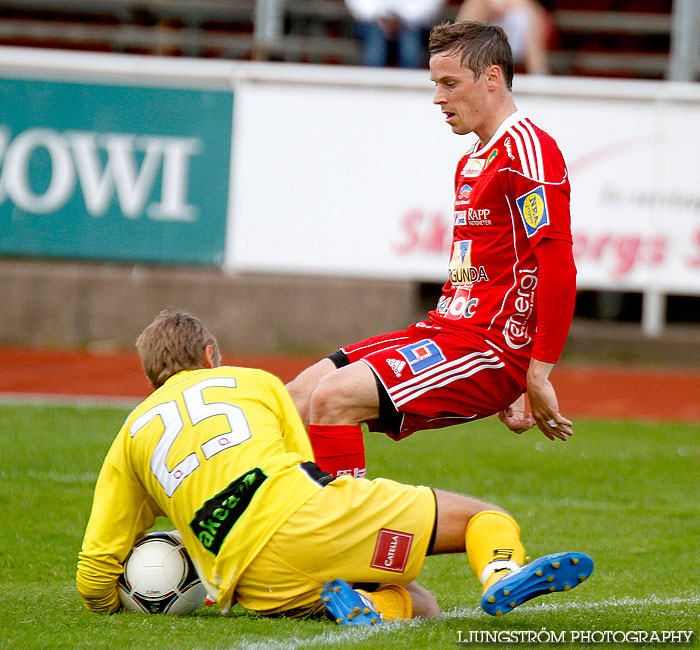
x=627, y=493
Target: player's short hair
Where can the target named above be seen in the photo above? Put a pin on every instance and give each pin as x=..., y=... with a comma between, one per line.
x=480, y=46
x=174, y=341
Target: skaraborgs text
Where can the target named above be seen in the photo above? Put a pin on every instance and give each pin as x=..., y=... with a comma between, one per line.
x=575, y=636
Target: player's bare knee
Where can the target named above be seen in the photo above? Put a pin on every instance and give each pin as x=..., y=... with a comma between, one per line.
x=327, y=401
x=301, y=396
x=346, y=396
x=302, y=386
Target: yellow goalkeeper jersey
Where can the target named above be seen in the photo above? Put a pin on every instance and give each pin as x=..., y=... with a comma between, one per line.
x=218, y=451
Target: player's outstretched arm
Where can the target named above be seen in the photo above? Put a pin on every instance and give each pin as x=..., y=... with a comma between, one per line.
x=543, y=402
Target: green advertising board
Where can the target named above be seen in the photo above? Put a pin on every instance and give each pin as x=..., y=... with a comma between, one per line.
x=107, y=172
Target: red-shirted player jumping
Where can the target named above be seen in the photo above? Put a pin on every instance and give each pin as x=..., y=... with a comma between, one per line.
x=503, y=317
x=505, y=311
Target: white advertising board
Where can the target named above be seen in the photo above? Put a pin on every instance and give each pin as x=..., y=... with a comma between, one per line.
x=352, y=180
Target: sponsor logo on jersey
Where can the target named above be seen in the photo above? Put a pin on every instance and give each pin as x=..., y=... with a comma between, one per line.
x=460, y=217
x=392, y=550
x=533, y=210
x=422, y=355
x=461, y=271
x=479, y=217
x=467, y=275
x=461, y=254
x=515, y=330
x=462, y=306
x=509, y=147
x=490, y=157
x=396, y=365
x=443, y=304
x=473, y=167
x=215, y=519
x=464, y=192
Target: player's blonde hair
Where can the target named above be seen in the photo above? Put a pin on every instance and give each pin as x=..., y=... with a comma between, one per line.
x=174, y=341
x=480, y=45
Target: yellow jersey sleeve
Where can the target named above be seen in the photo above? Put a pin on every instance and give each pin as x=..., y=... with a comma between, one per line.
x=121, y=512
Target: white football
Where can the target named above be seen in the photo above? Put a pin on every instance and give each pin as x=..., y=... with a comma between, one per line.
x=159, y=577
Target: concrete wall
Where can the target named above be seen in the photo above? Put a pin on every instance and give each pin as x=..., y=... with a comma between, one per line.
x=68, y=304
x=79, y=304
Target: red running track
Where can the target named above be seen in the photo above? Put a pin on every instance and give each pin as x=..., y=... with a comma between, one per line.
x=583, y=391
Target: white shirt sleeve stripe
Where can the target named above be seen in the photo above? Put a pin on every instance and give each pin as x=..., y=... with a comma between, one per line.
x=531, y=157
x=538, y=149
x=521, y=151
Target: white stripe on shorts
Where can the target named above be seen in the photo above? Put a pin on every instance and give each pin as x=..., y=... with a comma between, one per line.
x=444, y=374
x=387, y=343
x=441, y=368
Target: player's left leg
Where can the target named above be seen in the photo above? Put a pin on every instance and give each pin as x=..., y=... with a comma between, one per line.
x=491, y=538
x=341, y=401
x=346, y=396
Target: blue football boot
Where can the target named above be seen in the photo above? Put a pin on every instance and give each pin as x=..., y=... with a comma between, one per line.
x=554, y=572
x=347, y=606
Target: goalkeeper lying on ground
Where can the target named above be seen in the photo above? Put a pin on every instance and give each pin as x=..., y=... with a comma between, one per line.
x=223, y=453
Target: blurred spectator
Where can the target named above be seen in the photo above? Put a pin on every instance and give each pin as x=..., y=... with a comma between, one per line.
x=401, y=24
x=526, y=23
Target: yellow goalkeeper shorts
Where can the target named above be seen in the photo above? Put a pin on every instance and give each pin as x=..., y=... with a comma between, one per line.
x=359, y=530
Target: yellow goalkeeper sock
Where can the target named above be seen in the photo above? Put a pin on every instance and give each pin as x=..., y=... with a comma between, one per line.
x=391, y=601
x=493, y=545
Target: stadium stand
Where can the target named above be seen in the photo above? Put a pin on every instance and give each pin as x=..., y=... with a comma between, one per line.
x=611, y=37
x=623, y=38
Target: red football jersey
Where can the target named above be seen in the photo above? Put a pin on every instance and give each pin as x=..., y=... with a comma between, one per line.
x=510, y=193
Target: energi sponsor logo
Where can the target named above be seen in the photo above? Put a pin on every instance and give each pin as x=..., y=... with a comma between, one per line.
x=515, y=330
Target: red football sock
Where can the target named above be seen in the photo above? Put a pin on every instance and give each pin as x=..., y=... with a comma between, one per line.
x=338, y=449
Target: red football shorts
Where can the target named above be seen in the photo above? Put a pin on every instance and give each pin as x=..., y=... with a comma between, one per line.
x=430, y=378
